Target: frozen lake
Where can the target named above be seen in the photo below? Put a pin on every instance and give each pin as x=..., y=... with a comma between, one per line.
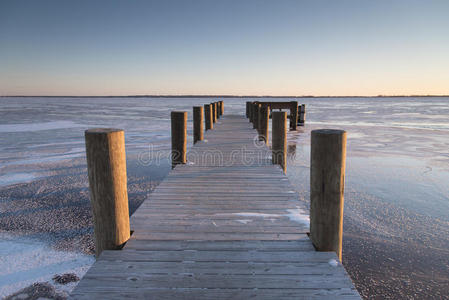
x=396, y=227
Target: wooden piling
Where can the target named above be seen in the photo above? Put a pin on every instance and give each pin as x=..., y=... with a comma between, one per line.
x=106, y=165
x=208, y=116
x=327, y=182
x=256, y=116
x=198, y=124
x=250, y=111
x=293, y=115
x=218, y=109
x=178, y=137
x=221, y=107
x=214, y=112
x=302, y=115
x=264, y=119
x=247, y=109
x=279, y=139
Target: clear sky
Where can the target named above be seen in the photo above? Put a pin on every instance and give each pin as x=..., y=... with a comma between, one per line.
x=241, y=47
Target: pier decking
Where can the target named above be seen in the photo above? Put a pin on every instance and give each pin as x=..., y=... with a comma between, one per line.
x=226, y=225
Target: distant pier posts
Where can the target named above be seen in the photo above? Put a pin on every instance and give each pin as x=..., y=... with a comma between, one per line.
x=279, y=139
x=208, y=116
x=198, y=124
x=221, y=107
x=293, y=115
x=302, y=114
x=264, y=119
x=106, y=165
x=178, y=137
x=327, y=181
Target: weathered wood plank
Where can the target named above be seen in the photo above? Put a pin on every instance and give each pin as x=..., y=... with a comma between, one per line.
x=228, y=226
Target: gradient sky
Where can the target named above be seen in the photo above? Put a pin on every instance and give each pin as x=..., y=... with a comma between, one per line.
x=224, y=47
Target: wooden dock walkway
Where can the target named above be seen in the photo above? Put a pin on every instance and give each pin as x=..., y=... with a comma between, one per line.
x=226, y=225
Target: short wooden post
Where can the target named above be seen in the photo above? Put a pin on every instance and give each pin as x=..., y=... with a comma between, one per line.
x=214, y=112
x=106, y=165
x=327, y=183
x=178, y=137
x=256, y=116
x=279, y=139
x=293, y=115
x=302, y=115
x=198, y=124
x=264, y=119
x=247, y=108
x=250, y=112
x=221, y=107
x=218, y=109
x=208, y=116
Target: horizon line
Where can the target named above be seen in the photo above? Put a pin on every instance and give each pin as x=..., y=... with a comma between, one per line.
x=216, y=96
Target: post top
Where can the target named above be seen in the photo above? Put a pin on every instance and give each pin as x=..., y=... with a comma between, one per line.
x=328, y=131
x=178, y=112
x=101, y=130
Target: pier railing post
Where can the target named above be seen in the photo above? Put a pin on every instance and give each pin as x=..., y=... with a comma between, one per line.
x=256, y=116
x=198, y=124
x=218, y=109
x=302, y=115
x=106, y=165
x=264, y=119
x=208, y=116
x=293, y=115
x=178, y=137
x=250, y=111
x=221, y=108
x=327, y=181
x=279, y=139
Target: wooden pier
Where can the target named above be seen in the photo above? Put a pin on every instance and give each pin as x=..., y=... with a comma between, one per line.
x=225, y=225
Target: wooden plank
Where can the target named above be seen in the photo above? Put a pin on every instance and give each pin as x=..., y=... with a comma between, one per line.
x=224, y=227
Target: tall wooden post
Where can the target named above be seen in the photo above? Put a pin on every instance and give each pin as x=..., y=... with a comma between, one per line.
x=302, y=115
x=214, y=111
x=250, y=111
x=264, y=119
x=256, y=116
x=197, y=124
x=293, y=115
x=247, y=109
x=279, y=139
x=327, y=183
x=106, y=165
x=218, y=109
x=178, y=137
x=221, y=107
x=208, y=116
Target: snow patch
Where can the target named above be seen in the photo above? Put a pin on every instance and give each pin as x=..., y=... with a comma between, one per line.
x=333, y=262
x=25, y=261
x=298, y=215
x=244, y=221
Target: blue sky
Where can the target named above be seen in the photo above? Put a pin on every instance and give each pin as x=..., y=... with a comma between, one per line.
x=224, y=47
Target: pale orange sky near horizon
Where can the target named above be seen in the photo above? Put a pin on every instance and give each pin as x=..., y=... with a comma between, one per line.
x=349, y=48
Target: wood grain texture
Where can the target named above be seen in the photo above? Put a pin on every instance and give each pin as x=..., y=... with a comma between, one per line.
x=327, y=182
x=106, y=164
